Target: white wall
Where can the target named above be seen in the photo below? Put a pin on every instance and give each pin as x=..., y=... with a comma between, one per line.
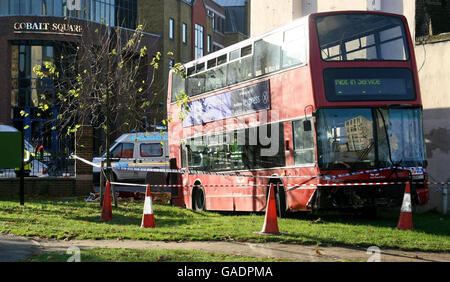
x=266, y=15
x=433, y=61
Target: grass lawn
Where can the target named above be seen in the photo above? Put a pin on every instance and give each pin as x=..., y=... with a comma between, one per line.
x=76, y=219
x=132, y=255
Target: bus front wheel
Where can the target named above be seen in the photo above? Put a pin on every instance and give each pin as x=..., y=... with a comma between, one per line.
x=198, y=199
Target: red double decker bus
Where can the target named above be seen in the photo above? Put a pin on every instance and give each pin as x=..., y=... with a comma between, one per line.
x=327, y=109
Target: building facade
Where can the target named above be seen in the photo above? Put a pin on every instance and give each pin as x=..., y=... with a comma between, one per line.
x=189, y=29
x=236, y=20
x=217, y=14
x=34, y=32
x=186, y=27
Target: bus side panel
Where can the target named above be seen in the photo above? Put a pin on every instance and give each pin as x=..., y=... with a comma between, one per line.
x=187, y=196
x=218, y=196
x=249, y=197
x=290, y=99
x=298, y=198
x=219, y=199
x=219, y=193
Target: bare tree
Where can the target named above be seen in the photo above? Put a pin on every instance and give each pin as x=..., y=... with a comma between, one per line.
x=106, y=80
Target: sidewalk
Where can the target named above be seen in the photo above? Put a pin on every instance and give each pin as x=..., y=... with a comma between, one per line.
x=13, y=248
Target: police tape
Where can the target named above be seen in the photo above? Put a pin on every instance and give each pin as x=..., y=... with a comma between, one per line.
x=132, y=167
x=85, y=161
x=287, y=185
x=417, y=170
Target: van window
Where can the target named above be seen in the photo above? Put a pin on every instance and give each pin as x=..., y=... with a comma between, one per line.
x=151, y=150
x=123, y=150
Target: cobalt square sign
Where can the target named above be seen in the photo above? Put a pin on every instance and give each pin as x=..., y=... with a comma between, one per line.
x=47, y=27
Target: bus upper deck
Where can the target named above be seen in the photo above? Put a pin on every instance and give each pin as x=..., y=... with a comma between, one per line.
x=333, y=45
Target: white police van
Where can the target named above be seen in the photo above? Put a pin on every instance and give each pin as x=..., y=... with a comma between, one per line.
x=132, y=153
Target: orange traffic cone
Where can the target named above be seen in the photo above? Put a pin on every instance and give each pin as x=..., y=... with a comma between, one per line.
x=107, y=209
x=270, y=222
x=405, y=221
x=148, y=220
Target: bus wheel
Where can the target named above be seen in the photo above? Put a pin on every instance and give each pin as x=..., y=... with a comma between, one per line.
x=280, y=198
x=198, y=199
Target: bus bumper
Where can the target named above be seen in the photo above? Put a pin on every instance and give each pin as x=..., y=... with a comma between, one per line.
x=355, y=197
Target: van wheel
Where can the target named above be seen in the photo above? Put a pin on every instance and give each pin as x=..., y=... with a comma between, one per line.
x=198, y=199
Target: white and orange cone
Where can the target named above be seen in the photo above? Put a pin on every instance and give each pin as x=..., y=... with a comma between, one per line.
x=270, y=222
x=148, y=220
x=405, y=221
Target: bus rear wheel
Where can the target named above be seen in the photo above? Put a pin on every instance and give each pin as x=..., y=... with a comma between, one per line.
x=198, y=199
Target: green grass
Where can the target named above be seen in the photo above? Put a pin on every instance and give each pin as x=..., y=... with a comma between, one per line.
x=132, y=255
x=76, y=219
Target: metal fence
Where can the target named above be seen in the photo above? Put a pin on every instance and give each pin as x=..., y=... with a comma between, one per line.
x=48, y=165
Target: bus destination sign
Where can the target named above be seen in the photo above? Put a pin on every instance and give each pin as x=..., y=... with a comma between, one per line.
x=229, y=104
x=372, y=86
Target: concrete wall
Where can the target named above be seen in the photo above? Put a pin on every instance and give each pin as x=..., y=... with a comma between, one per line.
x=49, y=186
x=434, y=70
x=281, y=12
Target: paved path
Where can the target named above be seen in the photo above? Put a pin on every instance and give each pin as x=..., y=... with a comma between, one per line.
x=14, y=248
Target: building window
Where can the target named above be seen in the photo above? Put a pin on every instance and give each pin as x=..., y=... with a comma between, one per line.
x=198, y=41
x=220, y=24
x=303, y=143
x=171, y=28
x=208, y=45
x=184, y=33
x=28, y=92
x=432, y=17
x=112, y=12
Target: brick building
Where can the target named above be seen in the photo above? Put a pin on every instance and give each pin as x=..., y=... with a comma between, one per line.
x=236, y=27
x=190, y=29
x=33, y=32
x=187, y=28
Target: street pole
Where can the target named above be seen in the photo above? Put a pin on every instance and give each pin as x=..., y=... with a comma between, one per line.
x=445, y=198
x=22, y=174
x=102, y=179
